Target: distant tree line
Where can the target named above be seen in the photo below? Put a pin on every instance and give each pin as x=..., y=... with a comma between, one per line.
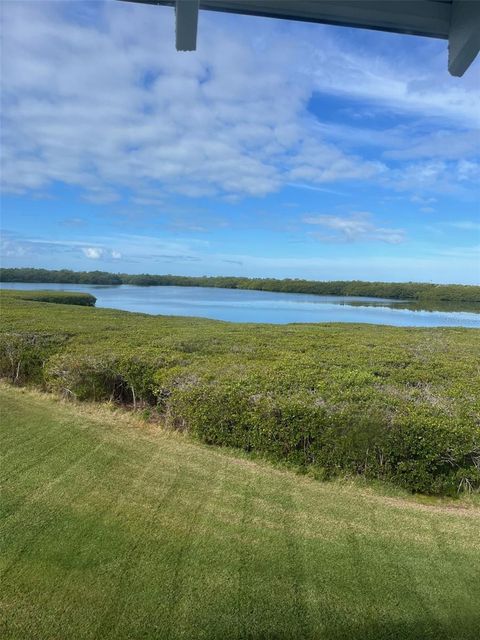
x=63, y=276
x=394, y=290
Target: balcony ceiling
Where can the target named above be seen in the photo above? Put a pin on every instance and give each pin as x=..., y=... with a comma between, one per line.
x=457, y=21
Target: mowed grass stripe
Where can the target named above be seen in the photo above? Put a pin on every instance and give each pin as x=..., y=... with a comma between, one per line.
x=133, y=532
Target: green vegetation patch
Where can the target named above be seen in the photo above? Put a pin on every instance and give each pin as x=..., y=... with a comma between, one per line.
x=115, y=530
x=398, y=404
x=56, y=297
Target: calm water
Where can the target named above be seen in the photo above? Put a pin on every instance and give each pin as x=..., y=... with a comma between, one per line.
x=238, y=305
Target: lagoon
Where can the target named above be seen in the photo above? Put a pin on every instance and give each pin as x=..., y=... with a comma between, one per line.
x=241, y=305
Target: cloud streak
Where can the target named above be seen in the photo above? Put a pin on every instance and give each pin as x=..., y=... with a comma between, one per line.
x=358, y=227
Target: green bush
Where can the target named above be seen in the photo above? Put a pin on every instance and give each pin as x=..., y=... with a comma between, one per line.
x=434, y=455
x=23, y=355
x=83, y=377
x=108, y=377
x=59, y=297
x=420, y=453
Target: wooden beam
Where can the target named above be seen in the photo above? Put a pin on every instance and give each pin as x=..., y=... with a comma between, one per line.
x=464, y=36
x=186, y=22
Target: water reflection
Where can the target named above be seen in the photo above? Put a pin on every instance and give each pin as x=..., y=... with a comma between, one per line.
x=425, y=305
x=241, y=305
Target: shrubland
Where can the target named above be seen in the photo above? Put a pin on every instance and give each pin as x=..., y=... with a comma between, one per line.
x=398, y=404
x=58, y=297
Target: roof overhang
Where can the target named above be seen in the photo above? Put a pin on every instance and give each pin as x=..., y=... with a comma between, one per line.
x=457, y=21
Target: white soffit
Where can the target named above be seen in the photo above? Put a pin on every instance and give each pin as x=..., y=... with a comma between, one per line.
x=457, y=21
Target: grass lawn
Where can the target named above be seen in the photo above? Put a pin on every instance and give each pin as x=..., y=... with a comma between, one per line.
x=111, y=529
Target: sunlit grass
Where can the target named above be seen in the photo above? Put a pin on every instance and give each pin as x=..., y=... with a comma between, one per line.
x=116, y=529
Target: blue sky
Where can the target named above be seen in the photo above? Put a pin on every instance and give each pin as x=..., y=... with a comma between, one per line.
x=277, y=149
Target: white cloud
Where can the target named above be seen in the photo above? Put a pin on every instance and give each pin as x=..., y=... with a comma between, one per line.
x=472, y=252
x=14, y=245
x=400, y=82
x=100, y=108
x=358, y=227
x=9, y=248
x=94, y=253
x=321, y=163
x=105, y=103
x=438, y=177
x=465, y=225
x=448, y=145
